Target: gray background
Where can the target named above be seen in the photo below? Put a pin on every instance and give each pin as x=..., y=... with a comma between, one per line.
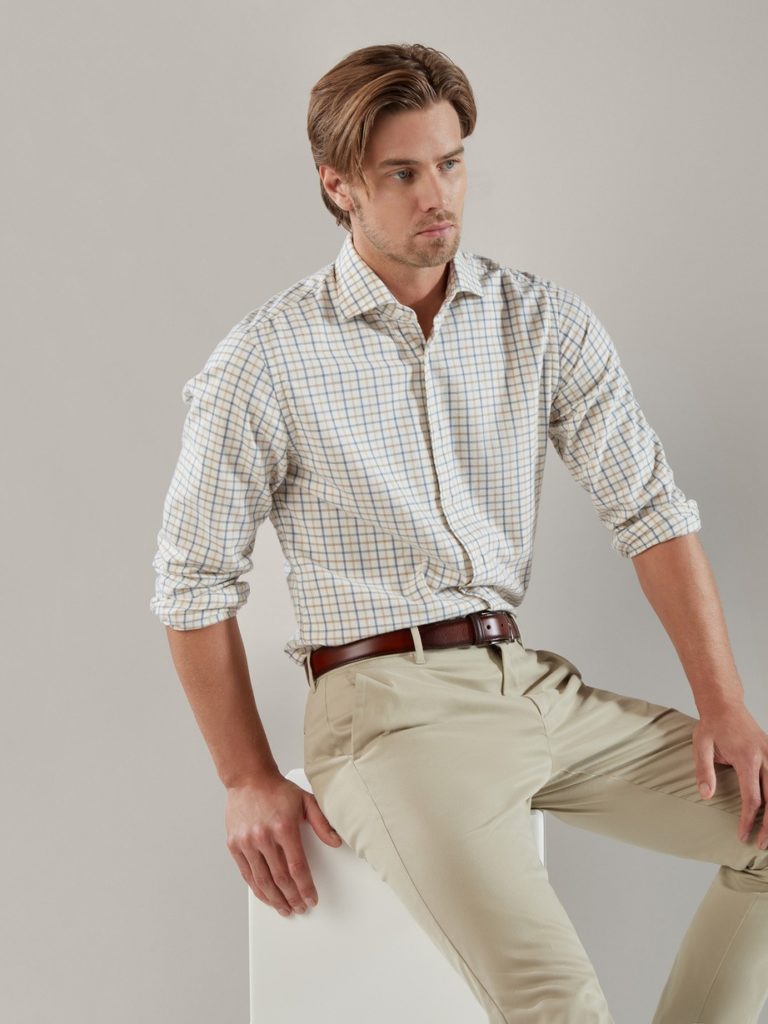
x=158, y=186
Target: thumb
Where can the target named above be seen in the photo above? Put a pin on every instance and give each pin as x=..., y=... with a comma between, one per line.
x=705, y=769
x=319, y=822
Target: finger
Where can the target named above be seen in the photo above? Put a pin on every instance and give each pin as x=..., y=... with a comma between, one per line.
x=245, y=870
x=275, y=858
x=749, y=784
x=319, y=822
x=253, y=869
x=262, y=874
x=703, y=755
x=296, y=861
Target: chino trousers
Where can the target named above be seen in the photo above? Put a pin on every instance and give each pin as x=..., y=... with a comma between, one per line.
x=427, y=763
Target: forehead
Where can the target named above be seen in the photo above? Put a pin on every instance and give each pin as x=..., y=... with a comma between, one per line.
x=423, y=134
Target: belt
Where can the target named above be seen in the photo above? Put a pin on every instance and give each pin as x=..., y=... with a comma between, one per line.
x=477, y=628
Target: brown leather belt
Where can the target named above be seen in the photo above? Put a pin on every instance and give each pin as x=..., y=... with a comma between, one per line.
x=477, y=628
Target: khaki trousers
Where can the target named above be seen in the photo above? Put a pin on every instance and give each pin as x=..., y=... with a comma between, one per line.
x=428, y=763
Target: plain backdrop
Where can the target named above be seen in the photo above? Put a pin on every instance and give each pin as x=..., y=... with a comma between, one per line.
x=158, y=185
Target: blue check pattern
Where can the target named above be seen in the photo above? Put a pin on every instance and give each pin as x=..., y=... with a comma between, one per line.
x=402, y=476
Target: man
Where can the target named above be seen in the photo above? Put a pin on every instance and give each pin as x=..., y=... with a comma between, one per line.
x=390, y=414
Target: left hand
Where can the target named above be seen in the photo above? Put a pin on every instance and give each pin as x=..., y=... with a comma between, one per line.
x=732, y=736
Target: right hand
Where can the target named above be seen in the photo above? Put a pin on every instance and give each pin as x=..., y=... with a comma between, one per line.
x=262, y=820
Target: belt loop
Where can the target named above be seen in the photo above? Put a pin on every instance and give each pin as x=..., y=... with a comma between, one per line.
x=311, y=681
x=418, y=653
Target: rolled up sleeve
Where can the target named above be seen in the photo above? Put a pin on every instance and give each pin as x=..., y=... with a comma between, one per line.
x=605, y=441
x=233, y=457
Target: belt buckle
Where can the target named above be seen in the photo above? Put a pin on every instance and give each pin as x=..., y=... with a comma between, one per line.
x=481, y=637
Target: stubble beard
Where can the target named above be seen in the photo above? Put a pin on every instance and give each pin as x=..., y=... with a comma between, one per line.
x=417, y=251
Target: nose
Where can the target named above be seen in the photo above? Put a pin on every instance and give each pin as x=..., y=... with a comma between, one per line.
x=434, y=193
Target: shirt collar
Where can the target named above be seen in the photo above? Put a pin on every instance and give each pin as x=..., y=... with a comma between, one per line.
x=360, y=289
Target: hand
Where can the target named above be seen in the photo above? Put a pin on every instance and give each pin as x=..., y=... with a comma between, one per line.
x=262, y=820
x=731, y=736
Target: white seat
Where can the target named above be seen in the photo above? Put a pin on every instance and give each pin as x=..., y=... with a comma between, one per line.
x=358, y=955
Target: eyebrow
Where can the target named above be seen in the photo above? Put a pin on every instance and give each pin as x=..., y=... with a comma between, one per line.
x=396, y=161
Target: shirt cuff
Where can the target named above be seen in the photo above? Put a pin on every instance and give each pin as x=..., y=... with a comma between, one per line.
x=203, y=609
x=655, y=524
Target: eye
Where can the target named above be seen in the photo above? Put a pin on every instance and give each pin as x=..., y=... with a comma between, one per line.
x=451, y=160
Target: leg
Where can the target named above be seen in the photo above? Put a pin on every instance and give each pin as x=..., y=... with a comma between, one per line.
x=624, y=767
x=426, y=764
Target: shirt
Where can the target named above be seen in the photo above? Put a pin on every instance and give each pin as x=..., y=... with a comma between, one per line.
x=402, y=475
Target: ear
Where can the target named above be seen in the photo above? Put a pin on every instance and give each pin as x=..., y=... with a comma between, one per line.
x=335, y=187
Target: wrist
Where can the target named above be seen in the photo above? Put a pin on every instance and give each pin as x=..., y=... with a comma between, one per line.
x=717, y=707
x=252, y=777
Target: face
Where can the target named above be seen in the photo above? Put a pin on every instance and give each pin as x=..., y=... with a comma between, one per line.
x=407, y=197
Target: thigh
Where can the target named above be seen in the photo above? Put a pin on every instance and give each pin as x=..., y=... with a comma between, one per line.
x=427, y=772
x=624, y=766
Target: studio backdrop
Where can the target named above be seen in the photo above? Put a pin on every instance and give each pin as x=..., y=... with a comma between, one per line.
x=158, y=185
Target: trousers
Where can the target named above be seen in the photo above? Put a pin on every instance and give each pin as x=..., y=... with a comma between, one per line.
x=428, y=763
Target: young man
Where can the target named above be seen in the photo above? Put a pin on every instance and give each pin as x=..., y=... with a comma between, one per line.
x=390, y=414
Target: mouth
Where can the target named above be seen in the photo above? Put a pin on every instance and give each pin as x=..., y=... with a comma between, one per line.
x=437, y=229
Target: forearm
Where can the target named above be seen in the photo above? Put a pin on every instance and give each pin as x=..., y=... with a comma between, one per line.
x=213, y=670
x=678, y=582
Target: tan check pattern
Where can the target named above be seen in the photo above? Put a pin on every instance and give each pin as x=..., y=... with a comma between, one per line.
x=402, y=477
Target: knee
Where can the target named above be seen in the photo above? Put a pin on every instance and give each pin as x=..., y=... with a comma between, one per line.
x=753, y=877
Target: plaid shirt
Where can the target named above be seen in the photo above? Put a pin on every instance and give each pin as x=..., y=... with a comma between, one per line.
x=402, y=476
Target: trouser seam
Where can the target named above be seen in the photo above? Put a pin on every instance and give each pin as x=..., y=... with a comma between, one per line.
x=421, y=897
x=725, y=953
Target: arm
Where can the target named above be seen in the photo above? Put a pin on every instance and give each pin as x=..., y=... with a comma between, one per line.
x=611, y=450
x=602, y=436
x=234, y=455
x=678, y=582
x=263, y=808
x=212, y=667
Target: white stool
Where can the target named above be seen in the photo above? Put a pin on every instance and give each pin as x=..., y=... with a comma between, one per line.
x=358, y=947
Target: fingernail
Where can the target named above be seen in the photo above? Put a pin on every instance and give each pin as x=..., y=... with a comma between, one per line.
x=704, y=789
x=312, y=901
x=764, y=844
